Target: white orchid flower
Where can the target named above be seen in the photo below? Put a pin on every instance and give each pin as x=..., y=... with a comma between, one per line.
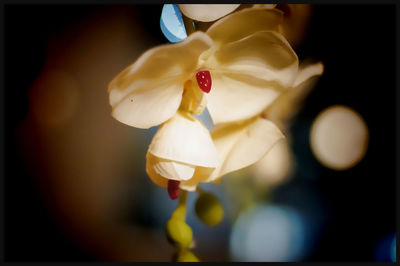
x=207, y=12
x=236, y=69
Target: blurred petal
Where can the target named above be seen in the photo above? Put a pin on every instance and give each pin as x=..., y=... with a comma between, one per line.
x=295, y=23
x=267, y=6
x=206, y=13
x=238, y=97
x=149, y=91
x=184, y=139
x=264, y=55
x=243, y=23
x=287, y=105
x=306, y=72
x=241, y=145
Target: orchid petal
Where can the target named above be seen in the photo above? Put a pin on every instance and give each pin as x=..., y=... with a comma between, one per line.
x=264, y=55
x=288, y=103
x=156, y=178
x=235, y=97
x=200, y=175
x=184, y=139
x=240, y=145
x=189, y=184
x=173, y=170
x=207, y=12
x=306, y=72
x=243, y=23
x=149, y=91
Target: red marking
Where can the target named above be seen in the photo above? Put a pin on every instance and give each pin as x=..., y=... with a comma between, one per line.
x=204, y=80
x=173, y=188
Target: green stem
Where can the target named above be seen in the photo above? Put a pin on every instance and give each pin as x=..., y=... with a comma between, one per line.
x=180, y=211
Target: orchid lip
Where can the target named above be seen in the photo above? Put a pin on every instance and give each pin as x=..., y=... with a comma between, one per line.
x=204, y=81
x=173, y=189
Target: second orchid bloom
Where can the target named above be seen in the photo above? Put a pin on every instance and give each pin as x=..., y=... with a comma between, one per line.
x=236, y=69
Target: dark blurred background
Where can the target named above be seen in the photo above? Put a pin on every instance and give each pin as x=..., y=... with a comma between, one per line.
x=356, y=43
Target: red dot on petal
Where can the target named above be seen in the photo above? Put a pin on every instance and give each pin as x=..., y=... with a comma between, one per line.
x=204, y=80
x=173, y=188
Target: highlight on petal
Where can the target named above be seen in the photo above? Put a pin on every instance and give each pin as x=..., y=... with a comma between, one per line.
x=240, y=145
x=237, y=97
x=207, y=12
x=264, y=55
x=184, y=139
x=288, y=104
x=243, y=23
x=149, y=91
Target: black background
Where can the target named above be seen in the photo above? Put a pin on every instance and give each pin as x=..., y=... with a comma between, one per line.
x=356, y=44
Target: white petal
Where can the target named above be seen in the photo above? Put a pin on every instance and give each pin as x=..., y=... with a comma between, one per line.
x=239, y=146
x=206, y=13
x=200, y=175
x=307, y=72
x=148, y=107
x=235, y=97
x=156, y=178
x=287, y=105
x=190, y=184
x=275, y=167
x=265, y=55
x=149, y=91
x=243, y=23
x=184, y=139
x=173, y=170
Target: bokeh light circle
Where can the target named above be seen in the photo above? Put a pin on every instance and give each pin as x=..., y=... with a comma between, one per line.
x=268, y=233
x=339, y=137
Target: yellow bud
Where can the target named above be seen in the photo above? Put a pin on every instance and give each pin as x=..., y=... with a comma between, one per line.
x=186, y=255
x=178, y=232
x=208, y=209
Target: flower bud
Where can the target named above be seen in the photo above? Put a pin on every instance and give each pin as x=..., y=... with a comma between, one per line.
x=178, y=232
x=208, y=209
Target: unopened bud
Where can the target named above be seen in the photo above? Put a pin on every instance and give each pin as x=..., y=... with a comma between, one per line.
x=209, y=209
